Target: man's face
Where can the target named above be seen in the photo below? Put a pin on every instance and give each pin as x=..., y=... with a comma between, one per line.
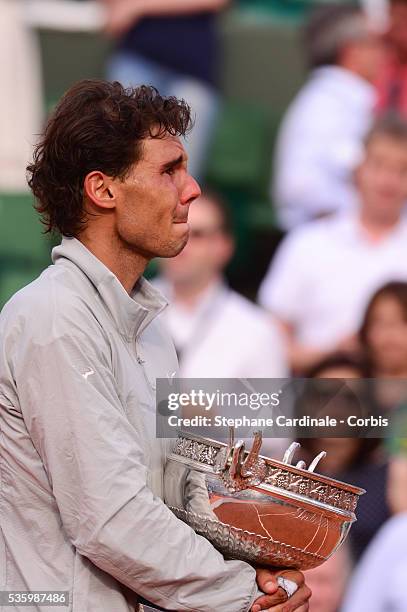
x=153, y=201
x=369, y=56
x=207, y=252
x=366, y=55
x=382, y=177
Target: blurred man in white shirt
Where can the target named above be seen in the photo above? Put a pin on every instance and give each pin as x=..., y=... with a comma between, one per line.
x=321, y=136
x=324, y=273
x=379, y=582
x=217, y=332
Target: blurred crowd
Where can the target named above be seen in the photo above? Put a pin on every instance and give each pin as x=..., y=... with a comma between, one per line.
x=333, y=302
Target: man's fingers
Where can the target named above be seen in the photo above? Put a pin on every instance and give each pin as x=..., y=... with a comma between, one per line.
x=266, y=581
x=294, y=575
x=275, y=596
x=269, y=601
x=304, y=608
x=297, y=603
x=279, y=602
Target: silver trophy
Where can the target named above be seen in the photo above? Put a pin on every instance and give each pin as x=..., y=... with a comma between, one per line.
x=257, y=509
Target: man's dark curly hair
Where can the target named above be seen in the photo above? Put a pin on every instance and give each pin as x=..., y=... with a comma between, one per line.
x=97, y=125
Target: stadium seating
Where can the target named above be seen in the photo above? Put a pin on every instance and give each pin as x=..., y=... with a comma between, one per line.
x=24, y=249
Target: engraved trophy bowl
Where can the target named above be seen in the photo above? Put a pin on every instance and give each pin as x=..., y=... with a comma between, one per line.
x=257, y=509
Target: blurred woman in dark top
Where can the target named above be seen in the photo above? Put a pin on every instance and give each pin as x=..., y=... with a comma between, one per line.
x=383, y=336
x=383, y=333
x=173, y=45
x=357, y=460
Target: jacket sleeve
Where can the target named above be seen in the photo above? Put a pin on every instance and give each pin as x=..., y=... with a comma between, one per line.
x=95, y=465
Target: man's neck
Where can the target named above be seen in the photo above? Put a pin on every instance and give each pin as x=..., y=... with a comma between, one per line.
x=189, y=295
x=353, y=70
x=126, y=265
x=377, y=227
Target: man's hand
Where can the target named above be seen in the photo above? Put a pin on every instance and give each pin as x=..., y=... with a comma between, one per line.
x=275, y=598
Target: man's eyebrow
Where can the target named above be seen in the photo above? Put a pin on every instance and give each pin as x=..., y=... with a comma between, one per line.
x=174, y=163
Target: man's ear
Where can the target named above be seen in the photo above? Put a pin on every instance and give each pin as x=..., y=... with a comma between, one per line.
x=100, y=190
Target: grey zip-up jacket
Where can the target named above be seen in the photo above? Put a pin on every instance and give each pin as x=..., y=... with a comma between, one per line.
x=80, y=467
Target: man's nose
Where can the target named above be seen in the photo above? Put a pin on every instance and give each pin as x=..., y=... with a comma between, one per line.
x=191, y=191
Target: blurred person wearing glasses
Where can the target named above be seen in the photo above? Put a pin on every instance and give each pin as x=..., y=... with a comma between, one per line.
x=217, y=332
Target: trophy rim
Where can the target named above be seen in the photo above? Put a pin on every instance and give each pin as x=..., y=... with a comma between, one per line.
x=314, y=476
x=267, y=489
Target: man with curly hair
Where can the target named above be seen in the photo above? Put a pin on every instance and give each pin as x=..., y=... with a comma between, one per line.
x=81, y=348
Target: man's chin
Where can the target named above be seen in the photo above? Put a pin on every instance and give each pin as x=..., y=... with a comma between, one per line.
x=175, y=248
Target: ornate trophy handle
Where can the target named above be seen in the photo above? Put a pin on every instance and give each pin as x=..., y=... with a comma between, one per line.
x=235, y=469
x=238, y=473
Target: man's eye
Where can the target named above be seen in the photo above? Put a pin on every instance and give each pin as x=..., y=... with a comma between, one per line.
x=170, y=171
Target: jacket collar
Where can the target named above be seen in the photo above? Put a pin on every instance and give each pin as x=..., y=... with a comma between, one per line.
x=130, y=313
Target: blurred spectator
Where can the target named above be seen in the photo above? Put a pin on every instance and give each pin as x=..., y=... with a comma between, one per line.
x=392, y=83
x=321, y=135
x=384, y=331
x=328, y=581
x=217, y=332
x=379, y=582
x=173, y=45
x=320, y=281
x=359, y=461
x=397, y=491
x=377, y=10
x=20, y=97
x=384, y=338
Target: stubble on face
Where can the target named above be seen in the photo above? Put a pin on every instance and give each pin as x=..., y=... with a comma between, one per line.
x=152, y=212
